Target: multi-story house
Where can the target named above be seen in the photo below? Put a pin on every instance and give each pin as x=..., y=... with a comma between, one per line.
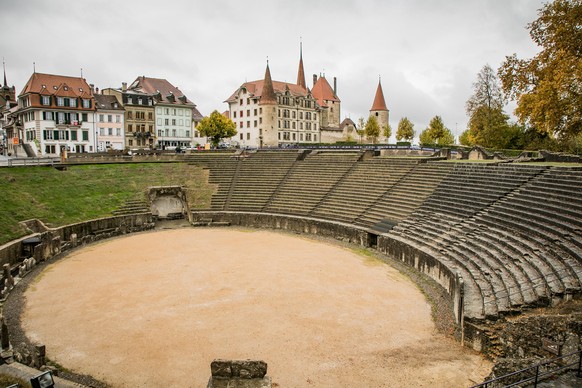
x=56, y=114
x=271, y=113
x=175, y=115
x=110, y=123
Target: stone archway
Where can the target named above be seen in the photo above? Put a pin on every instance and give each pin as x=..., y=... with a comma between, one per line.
x=168, y=202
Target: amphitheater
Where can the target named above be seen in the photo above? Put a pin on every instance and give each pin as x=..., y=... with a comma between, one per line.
x=503, y=240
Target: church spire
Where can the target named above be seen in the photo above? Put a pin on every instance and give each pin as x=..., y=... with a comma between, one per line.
x=301, y=72
x=379, y=102
x=4, y=65
x=268, y=94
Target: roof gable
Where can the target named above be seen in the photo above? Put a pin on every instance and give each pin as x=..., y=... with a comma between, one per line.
x=323, y=92
x=51, y=84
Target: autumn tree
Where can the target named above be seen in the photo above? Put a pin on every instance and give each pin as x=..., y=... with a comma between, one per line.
x=437, y=133
x=361, y=130
x=405, y=130
x=387, y=131
x=372, y=129
x=216, y=127
x=547, y=87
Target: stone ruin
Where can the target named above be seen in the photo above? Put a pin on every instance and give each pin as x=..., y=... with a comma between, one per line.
x=239, y=374
x=168, y=202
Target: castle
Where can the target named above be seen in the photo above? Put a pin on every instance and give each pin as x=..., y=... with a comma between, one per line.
x=270, y=113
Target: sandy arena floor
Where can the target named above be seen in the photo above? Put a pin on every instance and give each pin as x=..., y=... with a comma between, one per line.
x=154, y=309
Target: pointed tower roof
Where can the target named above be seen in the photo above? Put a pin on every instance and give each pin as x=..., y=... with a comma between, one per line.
x=301, y=72
x=268, y=94
x=5, y=82
x=379, y=102
x=323, y=92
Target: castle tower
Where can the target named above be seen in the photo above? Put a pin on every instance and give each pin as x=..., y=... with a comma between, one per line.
x=379, y=109
x=268, y=135
x=301, y=72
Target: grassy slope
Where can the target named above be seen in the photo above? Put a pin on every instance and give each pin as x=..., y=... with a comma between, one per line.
x=86, y=192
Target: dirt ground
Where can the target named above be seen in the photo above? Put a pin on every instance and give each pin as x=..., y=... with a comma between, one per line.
x=154, y=309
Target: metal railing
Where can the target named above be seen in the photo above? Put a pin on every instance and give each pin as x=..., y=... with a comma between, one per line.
x=537, y=372
x=13, y=162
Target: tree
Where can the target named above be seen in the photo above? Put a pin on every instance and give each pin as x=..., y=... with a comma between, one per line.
x=405, y=130
x=487, y=91
x=361, y=128
x=216, y=127
x=547, y=87
x=387, y=132
x=372, y=129
x=437, y=133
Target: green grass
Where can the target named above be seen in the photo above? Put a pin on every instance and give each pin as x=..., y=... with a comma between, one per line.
x=6, y=380
x=89, y=191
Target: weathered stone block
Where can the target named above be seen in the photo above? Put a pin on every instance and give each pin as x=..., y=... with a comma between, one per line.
x=246, y=369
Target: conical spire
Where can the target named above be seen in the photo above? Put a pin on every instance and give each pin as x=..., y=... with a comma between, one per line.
x=301, y=72
x=268, y=94
x=379, y=102
x=4, y=65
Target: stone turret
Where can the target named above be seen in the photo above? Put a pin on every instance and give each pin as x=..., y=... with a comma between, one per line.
x=379, y=109
x=268, y=107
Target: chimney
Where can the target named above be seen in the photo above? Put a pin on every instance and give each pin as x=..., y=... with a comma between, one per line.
x=314, y=79
x=92, y=86
x=123, y=86
x=335, y=86
x=97, y=91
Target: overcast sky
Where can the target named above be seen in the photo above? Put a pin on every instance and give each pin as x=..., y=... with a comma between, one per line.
x=428, y=52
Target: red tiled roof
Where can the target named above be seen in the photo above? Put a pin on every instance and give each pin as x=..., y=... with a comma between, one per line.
x=268, y=92
x=61, y=85
x=255, y=88
x=166, y=92
x=379, y=102
x=323, y=92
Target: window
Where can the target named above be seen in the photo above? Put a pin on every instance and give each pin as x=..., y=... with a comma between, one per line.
x=255, y=123
x=261, y=110
x=85, y=135
x=101, y=118
x=45, y=100
x=293, y=114
x=174, y=111
x=110, y=131
x=86, y=103
x=60, y=117
x=241, y=136
x=102, y=131
x=234, y=115
x=139, y=101
x=109, y=118
x=241, y=101
x=167, y=121
x=293, y=124
x=60, y=101
x=48, y=116
x=73, y=102
x=48, y=134
x=248, y=136
x=294, y=137
x=74, y=134
x=173, y=121
x=255, y=111
x=84, y=116
x=187, y=133
x=130, y=115
x=260, y=120
x=248, y=112
x=130, y=128
x=117, y=131
x=150, y=115
x=181, y=122
x=130, y=142
x=248, y=100
x=248, y=124
x=240, y=124
x=241, y=113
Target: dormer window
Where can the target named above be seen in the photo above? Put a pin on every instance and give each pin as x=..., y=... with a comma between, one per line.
x=60, y=101
x=66, y=88
x=55, y=88
x=81, y=90
x=45, y=100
